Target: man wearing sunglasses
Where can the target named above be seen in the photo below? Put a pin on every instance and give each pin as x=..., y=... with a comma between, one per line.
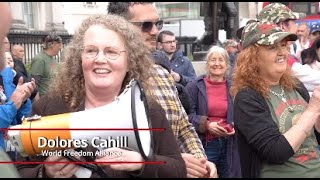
x=144, y=15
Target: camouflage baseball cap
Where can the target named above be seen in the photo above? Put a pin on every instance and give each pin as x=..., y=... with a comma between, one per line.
x=239, y=31
x=264, y=33
x=230, y=42
x=277, y=12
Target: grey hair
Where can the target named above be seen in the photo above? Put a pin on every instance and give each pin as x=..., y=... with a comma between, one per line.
x=221, y=51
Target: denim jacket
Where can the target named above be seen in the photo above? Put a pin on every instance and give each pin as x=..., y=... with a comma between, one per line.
x=9, y=115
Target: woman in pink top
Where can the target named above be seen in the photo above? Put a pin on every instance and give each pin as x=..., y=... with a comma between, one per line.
x=211, y=113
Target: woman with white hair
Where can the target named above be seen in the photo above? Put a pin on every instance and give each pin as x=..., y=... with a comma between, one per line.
x=211, y=113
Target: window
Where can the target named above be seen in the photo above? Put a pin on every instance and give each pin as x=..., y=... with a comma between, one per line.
x=188, y=10
x=28, y=14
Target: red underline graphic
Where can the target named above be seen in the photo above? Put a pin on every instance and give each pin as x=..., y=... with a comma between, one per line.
x=85, y=129
x=73, y=162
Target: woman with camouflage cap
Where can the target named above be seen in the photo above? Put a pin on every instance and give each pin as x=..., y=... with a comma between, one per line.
x=285, y=19
x=275, y=126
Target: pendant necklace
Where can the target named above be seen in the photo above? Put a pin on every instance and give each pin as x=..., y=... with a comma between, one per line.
x=282, y=98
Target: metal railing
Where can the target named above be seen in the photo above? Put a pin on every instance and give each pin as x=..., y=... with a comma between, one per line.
x=32, y=40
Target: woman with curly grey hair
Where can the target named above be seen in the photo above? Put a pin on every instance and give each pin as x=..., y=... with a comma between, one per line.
x=104, y=55
x=71, y=83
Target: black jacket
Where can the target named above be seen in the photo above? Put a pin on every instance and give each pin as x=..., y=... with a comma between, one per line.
x=184, y=97
x=19, y=67
x=22, y=71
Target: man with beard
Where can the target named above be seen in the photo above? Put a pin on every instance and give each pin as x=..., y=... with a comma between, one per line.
x=144, y=15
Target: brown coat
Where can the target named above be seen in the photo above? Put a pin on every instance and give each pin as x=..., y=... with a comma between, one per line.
x=165, y=145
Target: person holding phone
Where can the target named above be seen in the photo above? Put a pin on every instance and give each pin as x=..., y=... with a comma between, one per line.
x=211, y=113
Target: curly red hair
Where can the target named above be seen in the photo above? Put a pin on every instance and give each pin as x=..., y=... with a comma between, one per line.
x=246, y=74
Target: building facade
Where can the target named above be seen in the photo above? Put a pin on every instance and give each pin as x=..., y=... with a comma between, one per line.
x=41, y=18
x=66, y=16
x=60, y=17
x=74, y=13
x=182, y=18
x=247, y=11
x=37, y=16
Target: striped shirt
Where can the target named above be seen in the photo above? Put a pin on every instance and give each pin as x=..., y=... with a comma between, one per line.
x=166, y=94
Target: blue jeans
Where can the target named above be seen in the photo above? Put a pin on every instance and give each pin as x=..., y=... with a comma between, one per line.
x=216, y=151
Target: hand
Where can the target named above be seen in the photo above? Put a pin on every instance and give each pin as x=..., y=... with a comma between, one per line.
x=315, y=101
x=22, y=92
x=176, y=76
x=60, y=170
x=121, y=155
x=212, y=170
x=317, y=125
x=216, y=129
x=196, y=168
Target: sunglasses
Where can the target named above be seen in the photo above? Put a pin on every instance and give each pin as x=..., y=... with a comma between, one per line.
x=146, y=26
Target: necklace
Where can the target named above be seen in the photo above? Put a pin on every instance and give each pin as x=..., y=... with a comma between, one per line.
x=282, y=98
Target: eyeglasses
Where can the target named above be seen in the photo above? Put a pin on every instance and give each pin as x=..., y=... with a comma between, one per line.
x=170, y=42
x=110, y=53
x=146, y=26
x=216, y=61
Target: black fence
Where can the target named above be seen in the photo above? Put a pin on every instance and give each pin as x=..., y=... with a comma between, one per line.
x=32, y=41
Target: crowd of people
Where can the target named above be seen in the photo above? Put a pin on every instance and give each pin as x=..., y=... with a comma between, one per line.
x=254, y=113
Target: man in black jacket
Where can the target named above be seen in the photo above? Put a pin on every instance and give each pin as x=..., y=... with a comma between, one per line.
x=18, y=56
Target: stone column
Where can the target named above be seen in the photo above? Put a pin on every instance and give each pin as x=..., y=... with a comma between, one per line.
x=252, y=10
x=54, y=12
x=17, y=16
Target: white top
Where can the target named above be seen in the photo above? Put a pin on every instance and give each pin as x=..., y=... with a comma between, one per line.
x=308, y=76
